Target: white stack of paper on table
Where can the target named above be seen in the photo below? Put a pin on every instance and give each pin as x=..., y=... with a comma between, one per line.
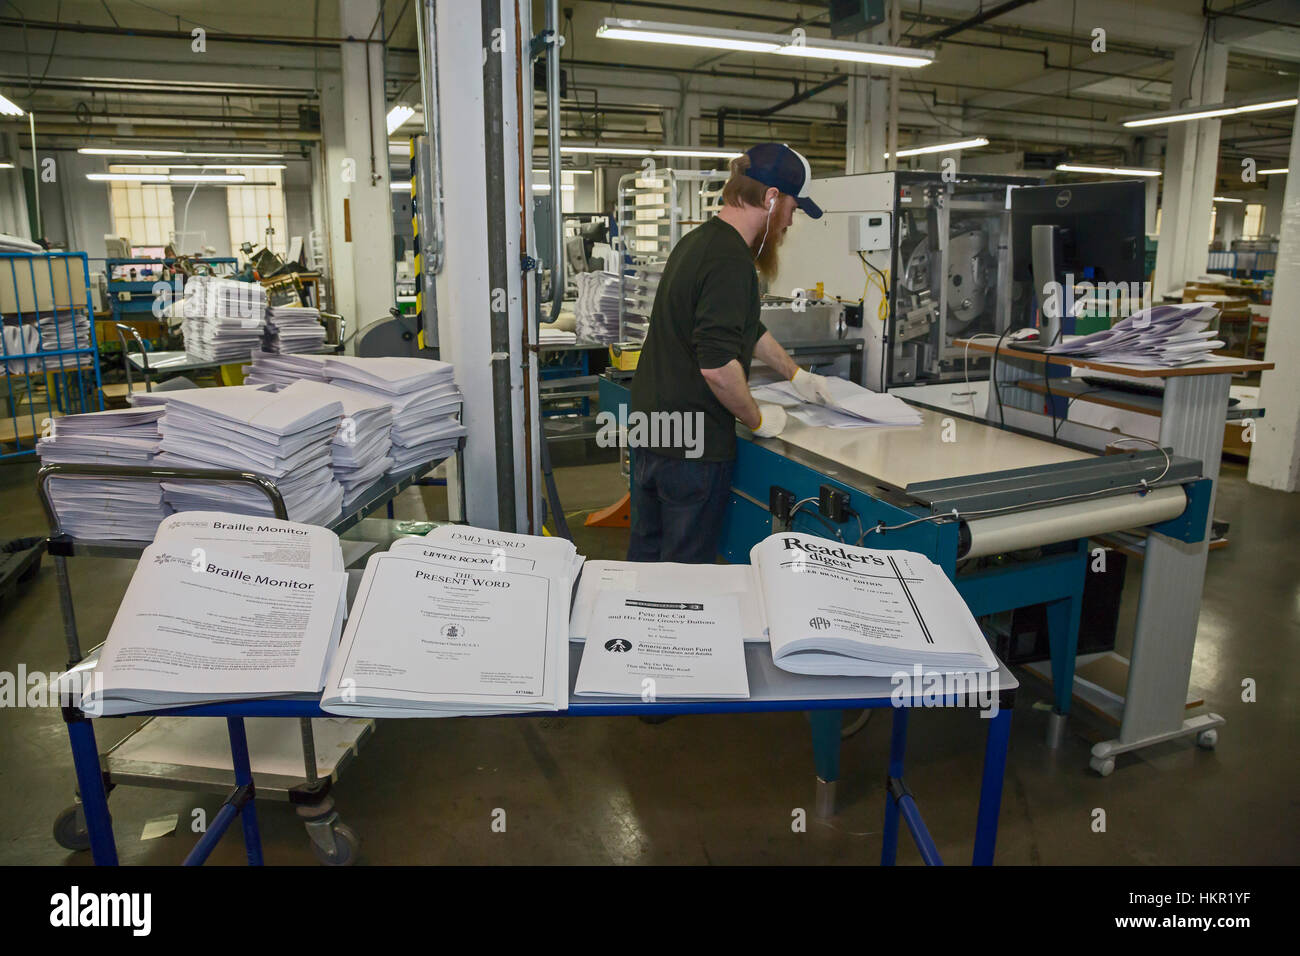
x=833, y=608
x=294, y=328
x=1163, y=336
x=269, y=368
x=65, y=331
x=466, y=621
x=596, y=309
x=359, y=451
x=660, y=645
x=222, y=607
x=106, y=508
x=479, y=547
x=285, y=436
x=550, y=335
x=666, y=577
x=426, y=403
x=224, y=319
x=852, y=406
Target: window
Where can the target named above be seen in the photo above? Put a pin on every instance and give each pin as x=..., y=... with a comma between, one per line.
x=248, y=207
x=1253, y=226
x=142, y=211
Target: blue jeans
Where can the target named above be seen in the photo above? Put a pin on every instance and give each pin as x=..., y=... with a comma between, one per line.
x=677, y=507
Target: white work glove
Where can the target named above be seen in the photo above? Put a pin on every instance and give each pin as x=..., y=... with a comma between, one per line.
x=771, y=421
x=812, y=387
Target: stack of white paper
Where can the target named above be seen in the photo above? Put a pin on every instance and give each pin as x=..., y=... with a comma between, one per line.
x=852, y=406
x=656, y=646
x=550, y=335
x=223, y=608
x=426, y=403
x=271, y=369
x=293, y=328
x=832, y=608
x=20, y=340
x=645, y=577
x=224, y=319
x=359, y=451
x=1163, y=336
x=466, y=621
x=285, y=436
x=113, y=508
x=65, y=331
x=595, y=312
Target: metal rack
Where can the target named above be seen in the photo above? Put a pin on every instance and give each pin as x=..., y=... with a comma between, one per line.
x=133, y=760
x=41, y=384
x=655, y=208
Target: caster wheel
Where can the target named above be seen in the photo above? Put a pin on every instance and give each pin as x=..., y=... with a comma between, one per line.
x=70, y=829
x=346, y=846
x=1103, y=765
x=1207, y=739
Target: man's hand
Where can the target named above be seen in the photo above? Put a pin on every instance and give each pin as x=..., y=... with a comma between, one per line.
x=771, y=421
x=812, y=387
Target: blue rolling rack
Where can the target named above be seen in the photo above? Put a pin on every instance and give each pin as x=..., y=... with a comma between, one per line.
x=34, y=287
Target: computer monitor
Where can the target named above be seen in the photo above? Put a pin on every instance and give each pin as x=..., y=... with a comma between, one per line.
x=1087, y=232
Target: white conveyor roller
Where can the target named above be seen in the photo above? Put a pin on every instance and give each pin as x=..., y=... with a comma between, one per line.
x=1077, y=519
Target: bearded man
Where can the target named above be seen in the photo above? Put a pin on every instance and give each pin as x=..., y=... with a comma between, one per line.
x=704, y=332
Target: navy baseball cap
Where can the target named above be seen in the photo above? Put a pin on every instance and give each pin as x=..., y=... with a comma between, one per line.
x=779, y=166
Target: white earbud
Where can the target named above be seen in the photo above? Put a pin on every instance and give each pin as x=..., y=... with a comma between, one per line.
x=767, y=225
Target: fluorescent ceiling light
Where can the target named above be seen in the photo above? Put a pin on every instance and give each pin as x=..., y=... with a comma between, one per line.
x=163, y=178
x=943, y=147
x=1275, y=172
x=398, y=115
x=610, y=150
x=8, y=107
x=1226, y=199
x=1107, y=170
x=235, y=155
x=568, y=172
x=749, y=41
x=127, y=177
x=6, y=165
x=697, y=153
x=1209, y=112
x=614, y=28
x=126, y=166
x=115, y=151
x=651, y=151
x=400, y=187
x=859, y=53
x=546, y=187
x=205, y=178
x=106, y=151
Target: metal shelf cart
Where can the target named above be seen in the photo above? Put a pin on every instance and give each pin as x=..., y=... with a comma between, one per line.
x=38, y=382
x=156, y=755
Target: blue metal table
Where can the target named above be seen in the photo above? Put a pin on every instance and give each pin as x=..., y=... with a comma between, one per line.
x=771, y=689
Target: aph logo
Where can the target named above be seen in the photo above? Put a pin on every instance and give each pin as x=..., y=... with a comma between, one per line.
x=819, y=623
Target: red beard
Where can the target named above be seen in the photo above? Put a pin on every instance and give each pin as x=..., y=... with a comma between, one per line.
x=766, y=256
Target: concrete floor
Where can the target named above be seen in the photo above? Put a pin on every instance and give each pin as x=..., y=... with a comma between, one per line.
x=722, y=789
